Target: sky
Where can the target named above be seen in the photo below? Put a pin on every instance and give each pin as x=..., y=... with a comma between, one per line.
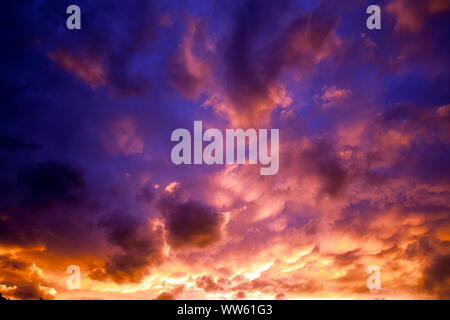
x=86, y=176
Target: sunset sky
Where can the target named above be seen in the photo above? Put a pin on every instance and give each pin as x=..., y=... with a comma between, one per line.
x=86, y=176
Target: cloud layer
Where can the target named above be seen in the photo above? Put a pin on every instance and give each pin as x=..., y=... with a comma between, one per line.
x=86, y=177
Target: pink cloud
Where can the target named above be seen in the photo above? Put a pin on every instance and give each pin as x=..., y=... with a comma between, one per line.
x=411, y=15
x=89, y=70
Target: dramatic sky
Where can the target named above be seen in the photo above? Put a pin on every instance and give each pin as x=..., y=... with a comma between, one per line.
x=86, y=176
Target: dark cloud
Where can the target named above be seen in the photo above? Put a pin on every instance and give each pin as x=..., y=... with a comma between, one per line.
x=190, y=223
x=146, y=194
x=322, y=159
x=436, y=277
x=13, y=144
x=47, y=204
x=422, y=247
x=140, y=248
x=349, y=257
x=51, y=182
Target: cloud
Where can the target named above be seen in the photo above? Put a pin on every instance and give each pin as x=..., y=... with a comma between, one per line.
x=240, y=71
x=124, y=137
x=23, y=280
x=362, y=180
x=51, y=182
x=190, y=66
x=106, y=56
x=14, y=144
x=421, y=248
x=52, y=197
x=333, y=97
x=436, y=277
x=239, y=295
x=347, y=258
x=87, y=69
x=190, y=223
x=208, y=284
x=165, y=296
x=146, y=194
x=411, y=15
x=170, y=295
x=253, y=63
x=140, y=247
x=327, y=166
